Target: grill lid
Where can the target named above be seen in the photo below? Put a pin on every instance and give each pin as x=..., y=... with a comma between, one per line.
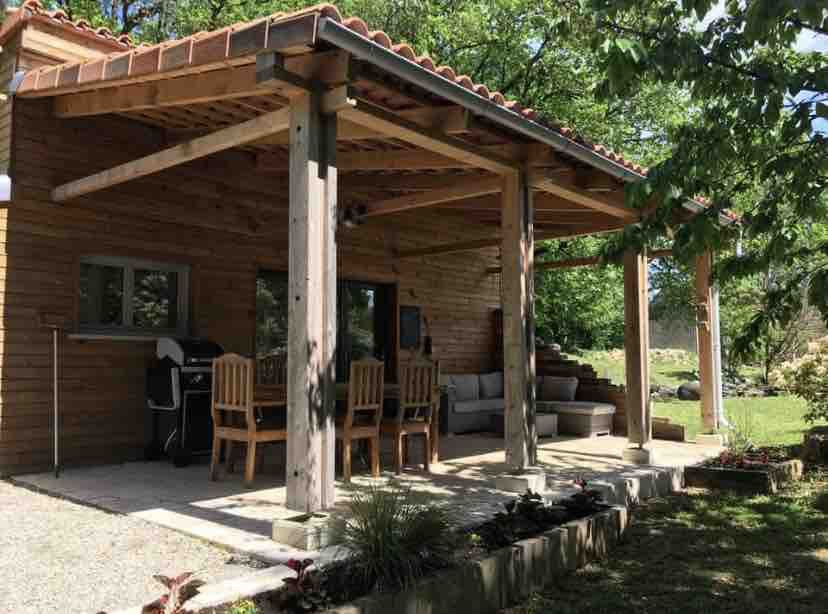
x=188, y=352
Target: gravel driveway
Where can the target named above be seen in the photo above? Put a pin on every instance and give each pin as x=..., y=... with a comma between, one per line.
x=59, y=557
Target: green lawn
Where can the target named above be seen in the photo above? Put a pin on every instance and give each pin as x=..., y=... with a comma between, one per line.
x=768, y=420
x=709, y=552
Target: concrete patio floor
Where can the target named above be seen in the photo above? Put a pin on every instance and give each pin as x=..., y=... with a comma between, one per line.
x=230, y=515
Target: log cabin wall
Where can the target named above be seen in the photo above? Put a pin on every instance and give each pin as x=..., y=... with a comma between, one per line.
x=218, y=215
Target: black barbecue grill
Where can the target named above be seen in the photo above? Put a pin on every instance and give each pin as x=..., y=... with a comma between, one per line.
x=179, y=389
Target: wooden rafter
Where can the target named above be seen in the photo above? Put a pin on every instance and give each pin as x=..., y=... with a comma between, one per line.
x=432, y=140
x=233, y=136
x=463, y=246
x=458, y=191
x=571, y=263
x=553, y=183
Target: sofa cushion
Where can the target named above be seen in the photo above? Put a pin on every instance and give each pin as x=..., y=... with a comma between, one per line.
x=482, y=405
x=491, y=386
x=558, y=388
x=466, y=387
x=581, y=408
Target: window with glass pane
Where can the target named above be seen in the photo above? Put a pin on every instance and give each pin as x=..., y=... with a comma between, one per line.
x=123, y=296
x=359, y=302
x=271, y=312
x=155, y=299
x=101, y=295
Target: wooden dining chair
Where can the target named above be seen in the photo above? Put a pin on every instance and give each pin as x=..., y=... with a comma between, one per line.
x=271, y=370
x=234, y=417
x=419, y=395
x=366, y=390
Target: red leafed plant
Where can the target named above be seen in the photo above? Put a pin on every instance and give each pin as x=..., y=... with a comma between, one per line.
x=179, y=589
x=302, y=593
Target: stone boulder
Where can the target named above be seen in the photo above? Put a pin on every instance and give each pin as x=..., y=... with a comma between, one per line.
x=689, y=391
x=815, y=445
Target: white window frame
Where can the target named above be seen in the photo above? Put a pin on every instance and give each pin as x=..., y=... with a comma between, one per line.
x=129, y=265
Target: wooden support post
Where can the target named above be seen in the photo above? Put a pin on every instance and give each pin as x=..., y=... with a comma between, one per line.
x=518, y=322
x=704, y=332
x=312, y=307
x=636, y=346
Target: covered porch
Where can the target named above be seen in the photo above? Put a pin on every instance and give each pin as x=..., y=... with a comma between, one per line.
x=310, y=147
x=241, y=519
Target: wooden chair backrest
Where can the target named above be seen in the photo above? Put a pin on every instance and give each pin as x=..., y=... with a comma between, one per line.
x=233, y=381
x=271, y=370
x=419, y=390
x=366, y=390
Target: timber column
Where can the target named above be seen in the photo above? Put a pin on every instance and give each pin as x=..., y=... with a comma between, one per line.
x=311, y=388
x=636, y=351
x=517, y=276
x=704, y=334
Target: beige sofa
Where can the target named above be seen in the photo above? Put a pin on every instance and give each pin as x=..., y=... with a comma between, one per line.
x=582, y=418
x=471, y=401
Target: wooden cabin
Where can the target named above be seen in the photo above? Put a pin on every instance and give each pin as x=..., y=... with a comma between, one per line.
x=302, y=159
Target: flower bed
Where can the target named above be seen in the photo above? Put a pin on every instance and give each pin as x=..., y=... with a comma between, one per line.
x=757, y=471
x=405, y=556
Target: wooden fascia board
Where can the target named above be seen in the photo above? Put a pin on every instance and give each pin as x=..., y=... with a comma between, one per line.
x=220, y=140
x=457, y=192
x=552, y=184
x=393, y=126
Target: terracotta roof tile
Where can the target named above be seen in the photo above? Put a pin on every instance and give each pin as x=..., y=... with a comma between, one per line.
x=210, y=47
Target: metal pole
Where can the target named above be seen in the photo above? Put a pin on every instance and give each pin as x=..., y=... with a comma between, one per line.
x=55, y=390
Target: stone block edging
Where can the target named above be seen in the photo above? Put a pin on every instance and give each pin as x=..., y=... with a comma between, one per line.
x=766, y=481
x=506, y=576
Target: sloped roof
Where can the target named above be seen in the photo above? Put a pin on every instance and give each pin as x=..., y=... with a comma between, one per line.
x=128, y=60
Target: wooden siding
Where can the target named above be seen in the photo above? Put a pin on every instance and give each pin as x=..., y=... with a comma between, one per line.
x=8, y=65
x=222, y=218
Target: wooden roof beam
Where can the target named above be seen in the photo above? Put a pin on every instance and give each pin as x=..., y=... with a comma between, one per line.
x=179, y=154
x=435, y=141
x=553, y=183
x=460, y=246
x=459, y=191
x=287, y=80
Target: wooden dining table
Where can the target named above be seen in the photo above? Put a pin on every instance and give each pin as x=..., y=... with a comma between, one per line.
x=275, y=395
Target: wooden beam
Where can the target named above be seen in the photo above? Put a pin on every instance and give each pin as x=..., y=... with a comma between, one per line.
x=179, y=154
x=517, y=249
x=451, y=120
x=449, y=248
x=459, y=191
x=429, y=139
x=311, y=310
x=553, y=184
x=223, y=84
x=396, y=160
x=704, y=332
x=636, y=348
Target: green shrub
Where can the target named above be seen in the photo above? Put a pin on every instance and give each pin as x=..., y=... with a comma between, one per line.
x=394, y=539
x=244, y=607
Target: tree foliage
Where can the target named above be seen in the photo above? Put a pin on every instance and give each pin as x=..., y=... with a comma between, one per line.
x=755, y=144
x=579, y=307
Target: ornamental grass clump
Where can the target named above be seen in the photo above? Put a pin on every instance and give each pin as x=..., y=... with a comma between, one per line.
x=807, y=378
x=394, y=539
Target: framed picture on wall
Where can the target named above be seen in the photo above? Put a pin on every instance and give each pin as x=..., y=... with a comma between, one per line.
x=410, y=320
